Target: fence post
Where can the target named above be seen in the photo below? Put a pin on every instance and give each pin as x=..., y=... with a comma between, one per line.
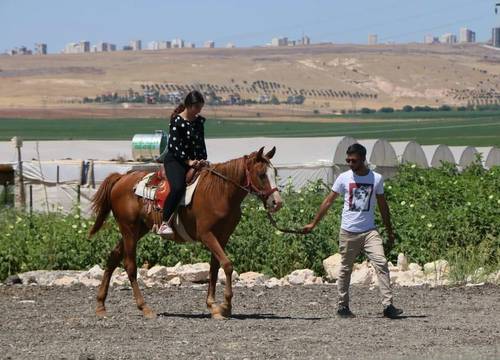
x=31, y=200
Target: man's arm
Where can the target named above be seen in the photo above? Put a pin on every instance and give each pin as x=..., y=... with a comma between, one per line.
x=386, y=218
x=323, y=209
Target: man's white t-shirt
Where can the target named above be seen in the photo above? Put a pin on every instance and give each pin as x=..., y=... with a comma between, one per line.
x=359, y=199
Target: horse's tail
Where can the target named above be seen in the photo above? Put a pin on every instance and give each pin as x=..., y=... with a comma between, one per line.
x=101, y=201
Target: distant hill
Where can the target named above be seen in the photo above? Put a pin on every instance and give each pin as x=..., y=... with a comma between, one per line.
x=330, y=77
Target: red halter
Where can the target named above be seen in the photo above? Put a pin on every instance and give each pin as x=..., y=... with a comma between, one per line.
x=252, y=189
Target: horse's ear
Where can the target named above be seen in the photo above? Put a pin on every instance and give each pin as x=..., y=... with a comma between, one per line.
x=260, y=153
x=271, y=153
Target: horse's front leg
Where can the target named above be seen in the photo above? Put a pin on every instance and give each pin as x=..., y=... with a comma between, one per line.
x=222, y=311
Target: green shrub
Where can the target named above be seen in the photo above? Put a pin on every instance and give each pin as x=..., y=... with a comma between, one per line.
x=437, y=213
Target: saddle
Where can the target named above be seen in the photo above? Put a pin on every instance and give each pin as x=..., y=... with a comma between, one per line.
x=154, y=186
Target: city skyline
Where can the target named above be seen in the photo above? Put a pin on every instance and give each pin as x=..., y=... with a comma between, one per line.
x=334, y=24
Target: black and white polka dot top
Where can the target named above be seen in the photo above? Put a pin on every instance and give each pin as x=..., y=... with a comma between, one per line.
x=186, y=140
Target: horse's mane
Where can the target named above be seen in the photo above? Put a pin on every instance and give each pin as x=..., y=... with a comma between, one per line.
x=233, y=169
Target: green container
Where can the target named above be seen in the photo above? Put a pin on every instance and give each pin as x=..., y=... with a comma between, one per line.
x=147, y=147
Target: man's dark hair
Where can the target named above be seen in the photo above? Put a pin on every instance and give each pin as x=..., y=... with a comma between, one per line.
x=357, y=149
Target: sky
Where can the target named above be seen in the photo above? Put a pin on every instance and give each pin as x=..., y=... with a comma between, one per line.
x=244, y=23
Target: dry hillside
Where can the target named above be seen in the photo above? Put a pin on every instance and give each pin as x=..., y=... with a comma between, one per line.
x=331, y=77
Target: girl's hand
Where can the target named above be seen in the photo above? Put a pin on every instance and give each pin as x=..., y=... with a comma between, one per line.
x=203, y=163
x=193, y=163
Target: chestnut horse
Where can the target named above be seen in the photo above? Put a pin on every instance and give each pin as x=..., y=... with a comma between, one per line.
x=211, y=218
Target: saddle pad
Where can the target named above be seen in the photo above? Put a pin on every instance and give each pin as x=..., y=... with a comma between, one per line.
x=144, y=191
x=188, y=195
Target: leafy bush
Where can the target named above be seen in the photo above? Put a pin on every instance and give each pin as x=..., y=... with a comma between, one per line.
x=437, y=213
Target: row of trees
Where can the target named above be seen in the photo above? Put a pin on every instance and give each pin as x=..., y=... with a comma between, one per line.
x=409, y=108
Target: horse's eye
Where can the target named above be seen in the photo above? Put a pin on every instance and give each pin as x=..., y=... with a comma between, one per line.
x=262, y=176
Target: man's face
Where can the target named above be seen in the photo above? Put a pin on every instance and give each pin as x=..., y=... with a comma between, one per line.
x=355, y=161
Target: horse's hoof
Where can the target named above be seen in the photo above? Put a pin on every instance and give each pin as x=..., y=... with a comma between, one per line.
x=218, y=316
x=220, y=312
x=101, y=312
x=149, y=313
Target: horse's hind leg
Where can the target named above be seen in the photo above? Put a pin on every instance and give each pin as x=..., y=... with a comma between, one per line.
x=131, y=235
x=214, y=272
x=114, y=259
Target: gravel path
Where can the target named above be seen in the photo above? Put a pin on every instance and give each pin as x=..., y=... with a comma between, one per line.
x=278, y=323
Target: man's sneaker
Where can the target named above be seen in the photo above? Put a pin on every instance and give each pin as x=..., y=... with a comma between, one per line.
x=165, y=231
x=392, y=312
x=344, y=312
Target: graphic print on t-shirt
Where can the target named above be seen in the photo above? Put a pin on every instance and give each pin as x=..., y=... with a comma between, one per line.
x=359, y=196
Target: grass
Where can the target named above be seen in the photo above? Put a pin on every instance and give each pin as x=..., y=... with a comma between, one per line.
x=450, y=128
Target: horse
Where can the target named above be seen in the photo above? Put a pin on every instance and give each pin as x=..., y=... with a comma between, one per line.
x=211, y=218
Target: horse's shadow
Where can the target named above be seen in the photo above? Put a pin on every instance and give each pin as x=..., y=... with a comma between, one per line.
x=238, y=316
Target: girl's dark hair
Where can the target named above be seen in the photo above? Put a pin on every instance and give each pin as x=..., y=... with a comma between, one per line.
x=194, y=97
x=357, y=149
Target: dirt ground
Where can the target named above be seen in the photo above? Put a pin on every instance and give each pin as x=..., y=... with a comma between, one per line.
x=284, y=323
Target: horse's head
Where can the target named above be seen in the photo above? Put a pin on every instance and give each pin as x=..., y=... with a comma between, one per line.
x=261, y=179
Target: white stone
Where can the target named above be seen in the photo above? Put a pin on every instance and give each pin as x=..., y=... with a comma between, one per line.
x=118, y=271
x=194, y=273
x=160, y=272
x=89, y=282
x=176, y=281
x=414, y=267
x=300, y=277
x=251, y=278
x=332, y=266
x=437, y=271
x=221, y=276
x=46, y=277
x=119, y=279
x=494, y=278
x=65, y=281
x=273, y=282
x=142, y=272
x=438, y=266
x=404, y=278
x=402, y=262
x=363, y=275
x=316, y=280
x=95, y=272
x=149, y=283
x=392, y=268
x=364, y=265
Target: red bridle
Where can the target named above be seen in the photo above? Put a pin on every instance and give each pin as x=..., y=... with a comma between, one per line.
x=249, y=187
x=252, y=189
